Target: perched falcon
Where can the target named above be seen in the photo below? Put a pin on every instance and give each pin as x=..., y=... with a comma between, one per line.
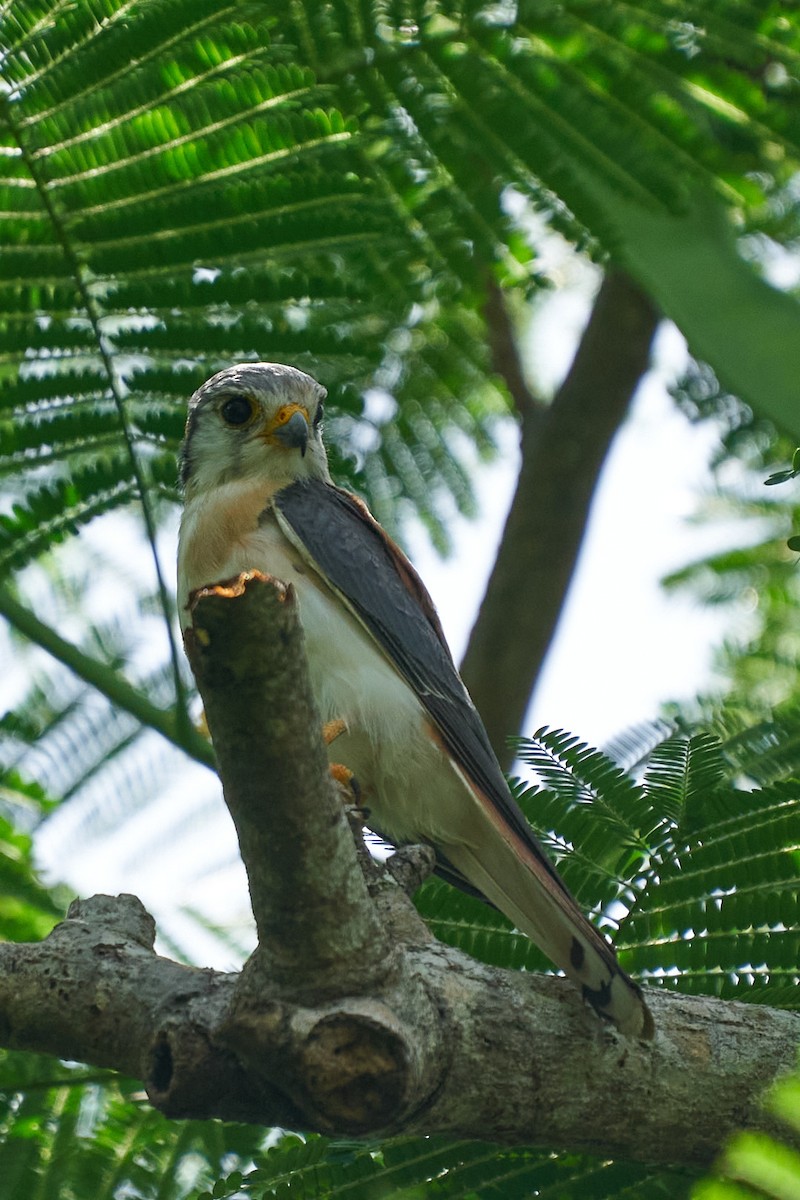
x=258, y=494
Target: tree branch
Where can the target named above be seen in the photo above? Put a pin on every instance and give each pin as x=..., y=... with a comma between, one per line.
x=397, y=1032
x=520, y=1060
x=504, y=353
x=309, y=898
x=563, y=451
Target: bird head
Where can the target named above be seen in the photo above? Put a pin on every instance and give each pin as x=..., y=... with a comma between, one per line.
x=255, y=420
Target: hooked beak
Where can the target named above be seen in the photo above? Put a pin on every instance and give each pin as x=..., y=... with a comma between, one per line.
x=290, y=428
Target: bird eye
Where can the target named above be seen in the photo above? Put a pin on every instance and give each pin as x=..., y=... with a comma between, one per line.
x=318, y=416
x=237, y=410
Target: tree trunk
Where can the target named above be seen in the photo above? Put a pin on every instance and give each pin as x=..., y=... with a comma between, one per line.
x=564, y=447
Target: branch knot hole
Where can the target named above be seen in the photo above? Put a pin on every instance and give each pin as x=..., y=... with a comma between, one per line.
x=161, y=1069
x=356, y=1072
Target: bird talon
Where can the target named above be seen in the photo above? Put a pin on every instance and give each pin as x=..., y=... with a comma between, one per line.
x=357, y=813
x=347, y=780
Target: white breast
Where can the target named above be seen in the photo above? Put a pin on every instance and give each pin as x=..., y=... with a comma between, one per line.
x=386, y=744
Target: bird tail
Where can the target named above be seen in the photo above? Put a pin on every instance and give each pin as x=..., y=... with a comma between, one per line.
x=516, y=877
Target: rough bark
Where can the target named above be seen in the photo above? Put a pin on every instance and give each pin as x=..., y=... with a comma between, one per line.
x=564, y=446
x=373, y=1027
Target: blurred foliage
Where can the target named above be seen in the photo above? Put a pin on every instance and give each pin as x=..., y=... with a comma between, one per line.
x=70, y=1133
x=28, y=909
x=755, y=490
x=756, y=1166
x=412, y=1168
x=185, y=183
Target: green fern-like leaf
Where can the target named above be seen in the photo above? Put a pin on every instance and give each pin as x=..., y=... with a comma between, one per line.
x=28, y=909
x=683, y=775
x=72, y=1131
x=696, y=875
x=766, y=750
x=204, y=205
x=721, y=914
x=592, y=809
x=188, y=185
x=412, y=1167
x=54, y=510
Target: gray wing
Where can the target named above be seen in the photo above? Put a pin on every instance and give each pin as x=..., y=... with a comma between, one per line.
x=337, y=536
x=355, y=556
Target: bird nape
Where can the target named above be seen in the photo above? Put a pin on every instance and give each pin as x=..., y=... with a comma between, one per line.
x=258, y=495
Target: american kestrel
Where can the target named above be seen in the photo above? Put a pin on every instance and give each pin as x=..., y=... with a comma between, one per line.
x=258, y=495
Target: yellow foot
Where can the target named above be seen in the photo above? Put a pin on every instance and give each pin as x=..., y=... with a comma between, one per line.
x=201, y=726
x=331, y=730
x=346, y=779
